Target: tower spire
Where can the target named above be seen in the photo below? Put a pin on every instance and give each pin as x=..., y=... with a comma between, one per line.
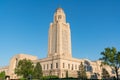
x=59, y=35
x=59, y=15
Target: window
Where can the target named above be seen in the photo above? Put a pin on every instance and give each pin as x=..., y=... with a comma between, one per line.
x=63, y=65
x=56, y=65
x=59, y=17
x=72, y=67
x=16, y=62
x=47, y=66
x=51, y=66
x=113, y=71
x=68, y=66
x=44, y=66
x=78, y=67
x=75, y=66
x=88, y=67
x=62, y=75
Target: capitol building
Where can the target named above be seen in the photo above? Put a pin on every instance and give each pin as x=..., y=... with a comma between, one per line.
x=59, y=58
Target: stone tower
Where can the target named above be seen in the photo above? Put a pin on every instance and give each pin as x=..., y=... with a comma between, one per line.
x=59, y=43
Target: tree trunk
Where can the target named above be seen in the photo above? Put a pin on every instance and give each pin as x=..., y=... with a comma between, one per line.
x=116, y=70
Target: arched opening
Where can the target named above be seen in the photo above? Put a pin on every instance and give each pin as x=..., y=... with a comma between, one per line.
x=7, y=77
x=87, y=66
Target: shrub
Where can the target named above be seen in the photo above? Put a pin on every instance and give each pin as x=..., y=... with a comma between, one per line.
x=48, y=77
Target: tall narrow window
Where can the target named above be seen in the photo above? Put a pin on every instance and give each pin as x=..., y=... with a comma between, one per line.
x=47, y=66
x=72, y=67
x=56, y=65
x=68, y=66
x=16, y=62
x=56, y=39
x=63, y=65
x=44, y=66
x=78, y=67
x=75, y=66
x=51, y=66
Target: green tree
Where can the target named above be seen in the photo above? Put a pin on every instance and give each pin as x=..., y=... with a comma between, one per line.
x=82, y=73
x=111, y=57
x=37, y=74
x=24, y=68
x=79, y=75
x=2, y=75
x=54, y=77
x=105, y=74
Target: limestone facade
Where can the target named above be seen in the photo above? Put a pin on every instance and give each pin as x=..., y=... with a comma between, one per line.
x=59, y=42
x=59, y=65
x=9, y=70
x=59, y=58
x=5, y=68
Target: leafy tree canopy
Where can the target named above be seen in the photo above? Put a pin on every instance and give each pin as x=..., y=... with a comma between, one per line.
x=105, y=74
x=24, y=68
x=37, y=74
x=2, y=75
x=111, y=57
x=82, y=73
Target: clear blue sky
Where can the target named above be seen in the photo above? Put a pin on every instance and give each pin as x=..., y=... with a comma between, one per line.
x=24, y=24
